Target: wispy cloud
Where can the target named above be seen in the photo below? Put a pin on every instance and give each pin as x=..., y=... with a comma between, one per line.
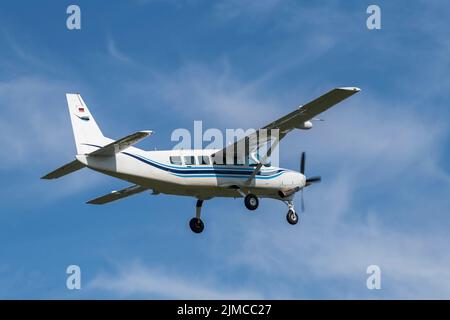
x=230, y=10
x=138, y=281
x=216, y=95
x=115, y=53
x=333, y=243
x=34, y=119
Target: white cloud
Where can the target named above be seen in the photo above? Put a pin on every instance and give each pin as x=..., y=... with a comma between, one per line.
x=34, y=121
x=136, y=280
x=211, y=93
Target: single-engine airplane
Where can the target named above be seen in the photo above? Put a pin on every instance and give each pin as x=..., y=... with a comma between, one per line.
x=233, y=171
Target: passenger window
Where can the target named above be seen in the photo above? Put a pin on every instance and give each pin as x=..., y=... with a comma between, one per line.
x=219, y=160
x=203, y=160
x=175, y=160
x=188, y=160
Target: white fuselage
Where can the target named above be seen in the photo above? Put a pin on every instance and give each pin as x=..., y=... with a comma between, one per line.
x=192, y=173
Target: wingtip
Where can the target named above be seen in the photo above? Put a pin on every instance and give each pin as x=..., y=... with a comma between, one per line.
x=356, y=89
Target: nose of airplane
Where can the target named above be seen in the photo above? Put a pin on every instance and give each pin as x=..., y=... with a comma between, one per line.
x=299, y=180
x=302, y=180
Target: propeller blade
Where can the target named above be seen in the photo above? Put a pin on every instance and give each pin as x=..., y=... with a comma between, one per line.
x=302, y=163
x=313, y=180
x=302, y=202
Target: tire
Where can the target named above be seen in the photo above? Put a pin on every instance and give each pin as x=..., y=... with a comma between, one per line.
x=251, y=202
x=292, y=217
x=196, y=225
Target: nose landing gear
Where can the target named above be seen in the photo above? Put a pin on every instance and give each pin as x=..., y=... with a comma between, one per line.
x=291, y=215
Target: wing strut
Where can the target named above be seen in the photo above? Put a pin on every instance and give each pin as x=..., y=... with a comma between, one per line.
x=262, y=161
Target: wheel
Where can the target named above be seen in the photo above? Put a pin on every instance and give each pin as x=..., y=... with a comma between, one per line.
x=292, y=217
x=196, y=225
x=251, y=202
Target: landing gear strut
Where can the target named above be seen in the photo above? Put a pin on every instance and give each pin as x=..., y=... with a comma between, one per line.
x=291, y=215
x=196, y=223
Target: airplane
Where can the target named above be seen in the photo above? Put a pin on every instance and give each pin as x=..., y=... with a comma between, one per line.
x=200, y=173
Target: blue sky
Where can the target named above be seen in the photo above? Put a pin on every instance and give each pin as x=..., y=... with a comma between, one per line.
x=383, y=154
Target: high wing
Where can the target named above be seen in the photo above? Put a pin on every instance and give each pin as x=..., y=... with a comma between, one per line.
x=116, y=195
x=121, y=144
x=278, y=129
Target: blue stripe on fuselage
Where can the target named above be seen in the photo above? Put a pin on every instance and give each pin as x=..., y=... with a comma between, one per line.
x=206, y=172
x=203, y=172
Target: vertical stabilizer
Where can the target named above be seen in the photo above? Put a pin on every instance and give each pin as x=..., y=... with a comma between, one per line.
x=85, y=129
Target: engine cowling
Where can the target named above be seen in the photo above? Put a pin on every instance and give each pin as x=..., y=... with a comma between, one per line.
x=288, y=193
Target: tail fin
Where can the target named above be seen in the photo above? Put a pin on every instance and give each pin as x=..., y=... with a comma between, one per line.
x=86, y=131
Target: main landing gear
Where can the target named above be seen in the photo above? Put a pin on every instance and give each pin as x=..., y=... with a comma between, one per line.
x=251, y=202
x=196, y=223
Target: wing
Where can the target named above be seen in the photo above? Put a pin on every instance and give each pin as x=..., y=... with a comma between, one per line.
x=277, y=130
x=116, y=195
x=65, y=169
x=121, y=144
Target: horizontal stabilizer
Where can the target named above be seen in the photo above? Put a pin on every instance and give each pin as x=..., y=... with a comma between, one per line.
x=121, y=144
x=65, y=169
x=116, y=195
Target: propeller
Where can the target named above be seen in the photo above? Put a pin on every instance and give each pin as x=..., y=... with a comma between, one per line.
x=309, y=181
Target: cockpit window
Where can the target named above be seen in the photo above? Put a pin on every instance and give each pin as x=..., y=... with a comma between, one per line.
x=175, y=160
x=238, y=161
x=252, y=163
